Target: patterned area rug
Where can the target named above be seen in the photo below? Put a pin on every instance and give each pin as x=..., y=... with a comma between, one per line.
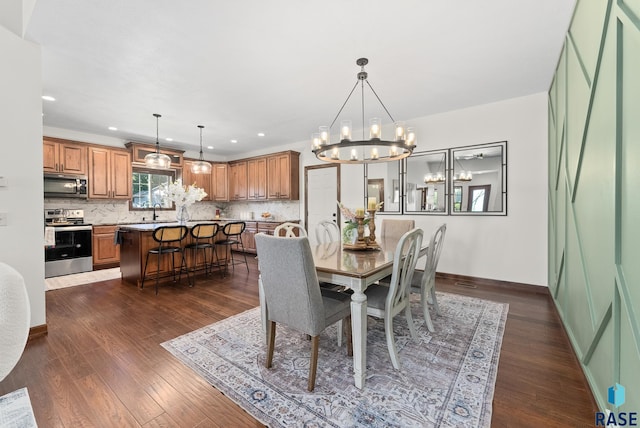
x=82, y=278
x=447, y=378
x=16, y=411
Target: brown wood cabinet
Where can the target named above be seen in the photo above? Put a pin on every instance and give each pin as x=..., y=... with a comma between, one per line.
x=64, y=156
x=139, y=151
x=238, y=181
x=109, y=173
x=257, y=179
x=202, y=181
x=105, y=252
x=220, y=182
x=283, y=176
x=254, y=227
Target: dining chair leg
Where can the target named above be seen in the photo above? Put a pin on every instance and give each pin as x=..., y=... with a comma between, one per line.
x=271, y=327
x=313, y=364
x=412, y=327
x=432, y=292
x=424, y=301
x=391, y=343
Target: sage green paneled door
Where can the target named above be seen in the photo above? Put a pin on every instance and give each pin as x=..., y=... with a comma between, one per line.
x=594, y=200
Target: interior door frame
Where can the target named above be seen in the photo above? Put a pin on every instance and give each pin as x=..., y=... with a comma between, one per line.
x=306, y=191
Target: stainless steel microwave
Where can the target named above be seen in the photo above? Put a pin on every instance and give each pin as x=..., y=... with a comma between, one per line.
x=65, y=186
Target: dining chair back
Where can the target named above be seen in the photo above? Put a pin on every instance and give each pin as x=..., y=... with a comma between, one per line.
x=289, y=230
x=387, y=302
x=168, y=239
x=394, y=229
x=327, y=231
x=203, y=235
x=292, y=294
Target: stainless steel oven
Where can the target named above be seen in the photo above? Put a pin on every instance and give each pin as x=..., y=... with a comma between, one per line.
x=72, y=250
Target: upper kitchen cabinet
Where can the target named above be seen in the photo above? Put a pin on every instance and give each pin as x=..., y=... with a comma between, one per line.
x=238, y=181
x=202, y=181
x=220, y=182
x=283, y=176
x=64, y=156
x=139, y=151
x=257, y=179
x=109, y=173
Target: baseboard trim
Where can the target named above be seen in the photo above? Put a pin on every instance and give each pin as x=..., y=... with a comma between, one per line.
x=37, y=331
x=485, y=282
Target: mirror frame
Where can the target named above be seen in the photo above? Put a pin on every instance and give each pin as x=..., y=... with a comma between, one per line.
x=388, y=181
x=454, y=183
x=445, y=186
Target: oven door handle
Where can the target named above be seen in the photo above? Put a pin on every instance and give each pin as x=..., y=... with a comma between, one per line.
x=72, y=228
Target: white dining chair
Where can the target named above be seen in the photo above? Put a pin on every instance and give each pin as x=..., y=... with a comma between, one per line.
x=388, y=301
x=327, y=231
x=289, y=230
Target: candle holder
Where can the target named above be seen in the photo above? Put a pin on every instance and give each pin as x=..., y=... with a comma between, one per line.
x=372, y=227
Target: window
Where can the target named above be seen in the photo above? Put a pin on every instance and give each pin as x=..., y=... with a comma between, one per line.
x=148, y=188
x=457, y=198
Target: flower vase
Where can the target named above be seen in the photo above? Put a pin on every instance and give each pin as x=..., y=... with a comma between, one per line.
x=182, y=214
x=350, y=234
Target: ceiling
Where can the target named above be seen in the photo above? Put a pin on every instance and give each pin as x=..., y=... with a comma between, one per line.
x=282, y=67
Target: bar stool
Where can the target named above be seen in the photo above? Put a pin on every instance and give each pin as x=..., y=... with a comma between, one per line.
x=233, y=240
x=165, y=236
x=203, y=235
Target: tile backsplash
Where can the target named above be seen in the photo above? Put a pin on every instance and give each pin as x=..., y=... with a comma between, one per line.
x=114, y=212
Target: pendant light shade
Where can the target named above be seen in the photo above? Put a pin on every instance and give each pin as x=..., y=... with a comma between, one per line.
x=201, y=166
x=157, y=160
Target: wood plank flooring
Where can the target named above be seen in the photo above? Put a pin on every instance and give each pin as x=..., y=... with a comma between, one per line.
x=101, y=364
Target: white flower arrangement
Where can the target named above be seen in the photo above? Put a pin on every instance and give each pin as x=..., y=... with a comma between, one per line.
x=182, y=195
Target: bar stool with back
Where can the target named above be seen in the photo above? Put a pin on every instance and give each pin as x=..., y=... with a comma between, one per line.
x=203, y=235
x=166, y=237
x=233, y=238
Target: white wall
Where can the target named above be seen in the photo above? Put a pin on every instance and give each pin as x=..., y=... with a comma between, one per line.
x=21, y=165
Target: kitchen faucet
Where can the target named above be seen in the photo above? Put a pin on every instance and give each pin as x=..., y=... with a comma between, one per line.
x=155, y=216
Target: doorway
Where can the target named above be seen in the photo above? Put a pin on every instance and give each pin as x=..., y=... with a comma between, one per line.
x=321, y=195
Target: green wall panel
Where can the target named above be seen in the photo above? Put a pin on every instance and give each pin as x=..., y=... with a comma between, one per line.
x=594, y=212
x=630, y=168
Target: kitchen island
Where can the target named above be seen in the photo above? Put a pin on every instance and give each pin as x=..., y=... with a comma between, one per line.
x=136, y=240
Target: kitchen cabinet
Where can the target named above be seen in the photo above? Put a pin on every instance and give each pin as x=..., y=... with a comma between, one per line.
x=139, y=151
x=220, y=182
x=105, y=252
x=283, y=176
x=202, y=181
x=254, y=227
x=64, y=156
x=257, y=179
x=109, y=173
x=238, y=181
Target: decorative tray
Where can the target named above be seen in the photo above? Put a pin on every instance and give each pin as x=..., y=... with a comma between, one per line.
x=361, y=247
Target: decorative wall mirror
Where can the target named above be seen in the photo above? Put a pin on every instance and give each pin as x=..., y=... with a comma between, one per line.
x=425, y=184
x=479, y=179
x=383, y=185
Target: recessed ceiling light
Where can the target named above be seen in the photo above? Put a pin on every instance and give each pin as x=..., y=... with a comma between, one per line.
x=210, y=147
x=48, y=98
x=113, y=128
x=260, y=134
x=234, y=141
x=169, y=139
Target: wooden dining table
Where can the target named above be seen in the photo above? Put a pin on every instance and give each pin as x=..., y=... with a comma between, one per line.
x=356, y=270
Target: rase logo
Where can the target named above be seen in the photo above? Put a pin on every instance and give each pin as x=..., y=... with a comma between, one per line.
x=615, y=396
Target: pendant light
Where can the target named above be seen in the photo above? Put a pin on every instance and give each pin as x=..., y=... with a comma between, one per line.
x=201, y=166
x=157, y=160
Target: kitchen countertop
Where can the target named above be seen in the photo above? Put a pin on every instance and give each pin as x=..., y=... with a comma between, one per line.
x=149, y=226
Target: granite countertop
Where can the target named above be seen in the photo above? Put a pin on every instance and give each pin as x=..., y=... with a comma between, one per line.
x=147, y=226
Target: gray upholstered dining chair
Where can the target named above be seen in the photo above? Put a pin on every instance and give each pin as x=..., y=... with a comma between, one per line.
x=289, y=230
x=327, y=231
x=424, y=281
x=292, y=294
x=388, y=301
x=395, y=228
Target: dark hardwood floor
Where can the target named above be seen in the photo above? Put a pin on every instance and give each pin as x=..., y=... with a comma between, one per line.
x=101, y=364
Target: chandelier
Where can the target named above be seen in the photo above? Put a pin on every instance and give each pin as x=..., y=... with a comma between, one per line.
x=201, y=166
x=436, y=178
x=374, y=149
x=156, y=159
x=462, y=175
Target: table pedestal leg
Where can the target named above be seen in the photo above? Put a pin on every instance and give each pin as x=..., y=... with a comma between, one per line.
x=359, y=336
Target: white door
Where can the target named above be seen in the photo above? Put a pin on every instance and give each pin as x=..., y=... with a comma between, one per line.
x=321, y=196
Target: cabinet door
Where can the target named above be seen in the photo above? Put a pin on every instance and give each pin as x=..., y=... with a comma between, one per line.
x=238, y=181
x=120, y=174
x=99, y=173
x=73, y=158
x=279, y=181
x=104, y=250
x=50, y=156
x=257, y=179
x=219, y=182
